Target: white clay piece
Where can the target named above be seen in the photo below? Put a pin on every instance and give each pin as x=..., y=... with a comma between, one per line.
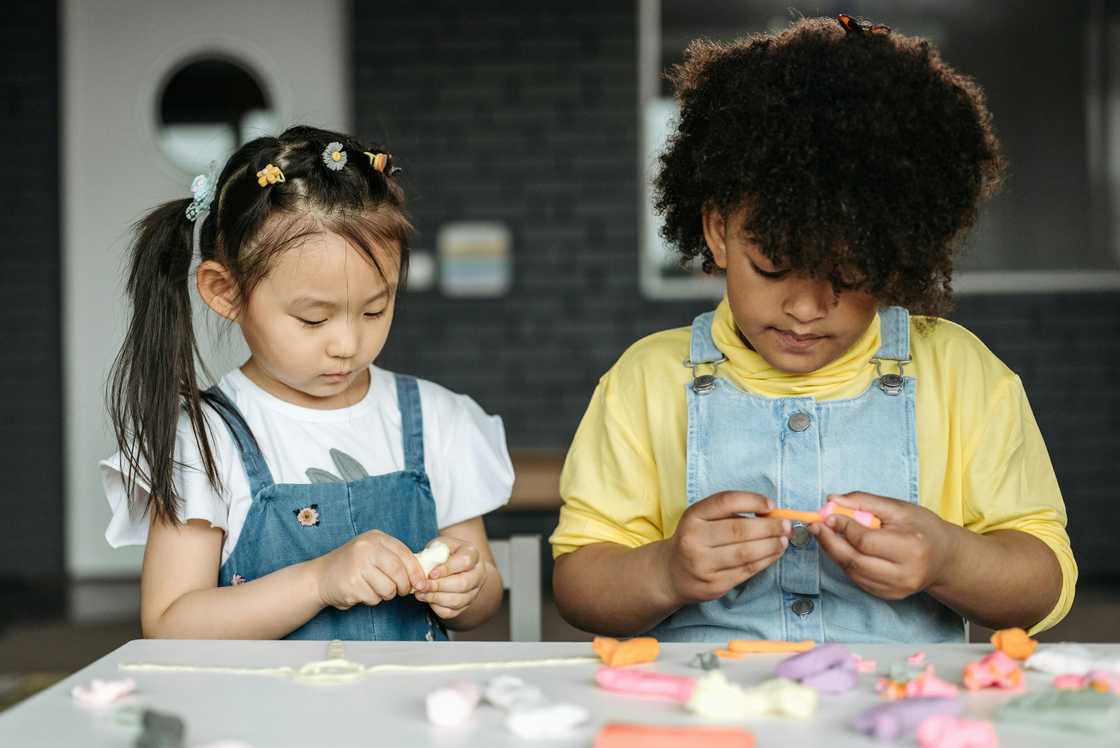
x=432, y=556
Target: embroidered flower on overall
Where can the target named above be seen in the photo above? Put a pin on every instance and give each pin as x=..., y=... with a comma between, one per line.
x=238, y=579
x=308, y=516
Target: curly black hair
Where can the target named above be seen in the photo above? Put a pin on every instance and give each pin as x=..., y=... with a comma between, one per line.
x=860, y=157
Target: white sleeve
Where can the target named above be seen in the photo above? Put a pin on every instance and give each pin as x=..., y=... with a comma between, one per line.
x=198, y=499
x=465, y=456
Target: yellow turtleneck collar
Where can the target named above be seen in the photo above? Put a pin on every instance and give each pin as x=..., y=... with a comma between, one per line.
x=847, y=376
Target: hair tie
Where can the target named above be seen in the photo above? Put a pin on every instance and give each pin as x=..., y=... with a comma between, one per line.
x=852, y=26
x=334, y=158
x=270, y=174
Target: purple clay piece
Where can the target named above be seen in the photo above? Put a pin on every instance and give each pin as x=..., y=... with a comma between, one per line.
x=834, y=680
x=893, y=719
x=815, y=661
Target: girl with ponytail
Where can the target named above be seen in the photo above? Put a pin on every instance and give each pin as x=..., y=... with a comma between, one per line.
x=290, y=499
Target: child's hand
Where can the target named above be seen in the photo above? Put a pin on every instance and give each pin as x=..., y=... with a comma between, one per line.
x=454, y=584
x=371, y=568
x=908, y=554
x=714, y=548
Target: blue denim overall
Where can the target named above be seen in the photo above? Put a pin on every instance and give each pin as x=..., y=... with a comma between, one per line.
x=292, y=522
x=796, y=451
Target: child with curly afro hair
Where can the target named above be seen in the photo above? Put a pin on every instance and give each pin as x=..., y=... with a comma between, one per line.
x=832, y=461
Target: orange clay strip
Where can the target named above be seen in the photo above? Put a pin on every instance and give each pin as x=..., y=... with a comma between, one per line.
x=811, y=517
x=727, y=654
x=763, y=646
x=795, y=515
x=666, y=736
x=635, y=651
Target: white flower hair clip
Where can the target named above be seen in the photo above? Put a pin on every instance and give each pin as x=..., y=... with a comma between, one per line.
x=202, y=190
x=334, y=158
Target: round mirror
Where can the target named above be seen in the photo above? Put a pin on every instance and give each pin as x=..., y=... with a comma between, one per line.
x=208, y=107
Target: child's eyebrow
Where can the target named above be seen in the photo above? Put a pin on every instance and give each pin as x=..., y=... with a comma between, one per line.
x=313, y=301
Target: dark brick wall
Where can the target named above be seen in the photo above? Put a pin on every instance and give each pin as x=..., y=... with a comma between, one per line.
x=30, y=359
x=527, y=114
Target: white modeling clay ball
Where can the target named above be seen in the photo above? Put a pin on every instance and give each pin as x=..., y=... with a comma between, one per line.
x=432, y=556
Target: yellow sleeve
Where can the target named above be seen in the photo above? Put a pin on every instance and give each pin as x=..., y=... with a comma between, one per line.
x=609, y=481
x=1010, y=484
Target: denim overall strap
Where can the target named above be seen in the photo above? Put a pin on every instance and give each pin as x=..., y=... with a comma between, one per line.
x=251, y=458
x=412, y=423
x=702, y=349
x=894, y=332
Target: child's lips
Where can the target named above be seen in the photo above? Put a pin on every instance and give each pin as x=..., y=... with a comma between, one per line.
x=798, y=342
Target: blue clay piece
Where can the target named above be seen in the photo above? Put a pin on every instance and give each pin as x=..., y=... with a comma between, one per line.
x=815, y=661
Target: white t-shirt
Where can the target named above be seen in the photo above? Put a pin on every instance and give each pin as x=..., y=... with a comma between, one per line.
x=465, y=455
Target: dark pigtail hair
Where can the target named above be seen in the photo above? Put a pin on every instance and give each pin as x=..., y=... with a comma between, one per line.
x=153, y=377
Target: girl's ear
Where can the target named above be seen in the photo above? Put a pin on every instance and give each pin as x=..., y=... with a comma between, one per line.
x=715, y=235
x=218, y=289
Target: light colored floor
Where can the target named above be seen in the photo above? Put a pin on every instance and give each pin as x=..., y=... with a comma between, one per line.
x=34, y=655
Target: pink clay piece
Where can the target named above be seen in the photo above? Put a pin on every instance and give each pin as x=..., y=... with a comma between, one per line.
x=945, y=731
x=645, y=683
x=995, y=670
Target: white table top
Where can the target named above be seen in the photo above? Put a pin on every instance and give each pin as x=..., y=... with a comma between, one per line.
x=388, y=709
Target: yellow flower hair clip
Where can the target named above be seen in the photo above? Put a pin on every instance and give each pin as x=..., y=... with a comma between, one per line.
x=270, y=174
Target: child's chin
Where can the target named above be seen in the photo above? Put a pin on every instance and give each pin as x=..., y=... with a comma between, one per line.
x=797, y=363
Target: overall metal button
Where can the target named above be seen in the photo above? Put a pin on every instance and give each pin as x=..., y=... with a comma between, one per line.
x=800, y=421
x=801, y=535
x=802, y=607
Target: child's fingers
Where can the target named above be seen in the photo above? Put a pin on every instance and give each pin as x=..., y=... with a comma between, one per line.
x=750, y=556
x=456, y=601
x=734, y=530
x=393, y=567
x=854, y=563
x=384, y=587
x=731, y=504
x=412, y=569
x=890, y=511
x=464, y=559
x=887, y=544
x=456, y=582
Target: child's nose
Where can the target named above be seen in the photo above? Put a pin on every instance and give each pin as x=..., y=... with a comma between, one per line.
x=809, y=299
x=344, y=342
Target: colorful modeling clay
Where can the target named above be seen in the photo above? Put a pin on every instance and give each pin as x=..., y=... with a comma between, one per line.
x=617, y=735
x=546, y=720
x=432, y=556
x=636, y=651
x=1082, y=711
x=1097, y=680
x=101, y=693
x=918, y=685
x=764, y=646
x=453, y=704
x=864, y=666
x=946, y=731
x=897, y=718
x=828, y=668
x=645, y=683
x=509, y=691
x=918, y=658
x=530, y=714
x=714, y=697
x=865, y=518
x=996, y=670
x=1065, y=659
x=1014, y=643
